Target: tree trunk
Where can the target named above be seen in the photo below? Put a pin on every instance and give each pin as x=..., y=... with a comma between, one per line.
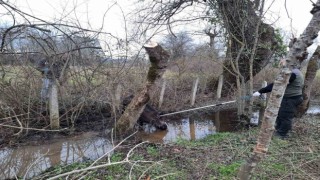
x=297, y=53
x=240, y=20
x=308, y=80
x=158, y=58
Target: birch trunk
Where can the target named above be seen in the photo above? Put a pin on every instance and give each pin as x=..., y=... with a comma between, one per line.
x=297, y=53
x=158, y=58
x=308, y=80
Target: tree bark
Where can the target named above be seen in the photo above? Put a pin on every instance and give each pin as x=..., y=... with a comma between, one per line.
x=297, y=53
x=158, y=58
x=240, y=20
x=312, y=69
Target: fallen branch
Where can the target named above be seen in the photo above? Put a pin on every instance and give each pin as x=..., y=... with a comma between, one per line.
x=126, y=160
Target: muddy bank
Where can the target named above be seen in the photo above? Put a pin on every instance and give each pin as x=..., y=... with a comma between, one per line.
x=217, y=156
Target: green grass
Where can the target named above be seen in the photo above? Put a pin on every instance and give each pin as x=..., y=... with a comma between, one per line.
x=210, y=140
x=218, y=156
x=225, y=171
x=153, y=151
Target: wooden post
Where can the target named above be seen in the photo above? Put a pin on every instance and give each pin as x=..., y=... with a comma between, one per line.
x=220, y=83
x=54, y=106
x=194, y=91
x=117, y=96
x=162, y=92
x=192, y=129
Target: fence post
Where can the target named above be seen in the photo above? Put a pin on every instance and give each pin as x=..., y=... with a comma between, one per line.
x=54, y=106
x=263, y=103
x=163, y=88
x=117, y=96
x=194, y=91
x=219, y=89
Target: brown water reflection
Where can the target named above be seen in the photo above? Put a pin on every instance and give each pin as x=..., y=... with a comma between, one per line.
x=28, y=161
x=192, y=128
x=31, y=160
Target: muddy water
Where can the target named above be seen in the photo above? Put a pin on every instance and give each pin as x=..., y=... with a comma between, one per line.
x=192, y=128
x=28, y=161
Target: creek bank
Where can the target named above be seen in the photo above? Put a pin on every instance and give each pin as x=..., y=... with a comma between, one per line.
x=217, y=156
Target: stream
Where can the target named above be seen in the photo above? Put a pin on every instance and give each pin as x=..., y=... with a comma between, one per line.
x=28, y=161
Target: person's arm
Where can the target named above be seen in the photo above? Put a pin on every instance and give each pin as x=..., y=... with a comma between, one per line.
x=269, y=87
x=266, y=89
x=292, y=77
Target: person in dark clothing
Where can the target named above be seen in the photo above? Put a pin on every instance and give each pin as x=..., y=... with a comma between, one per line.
x=291, y=100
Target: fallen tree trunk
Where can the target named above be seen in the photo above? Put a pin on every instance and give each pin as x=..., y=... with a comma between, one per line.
x=158, y=58
x=311, y=73
x=297, y=53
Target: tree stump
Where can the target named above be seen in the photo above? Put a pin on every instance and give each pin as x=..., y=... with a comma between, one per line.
x=158, y=58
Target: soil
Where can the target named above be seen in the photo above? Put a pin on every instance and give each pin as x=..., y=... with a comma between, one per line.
x=85, y=123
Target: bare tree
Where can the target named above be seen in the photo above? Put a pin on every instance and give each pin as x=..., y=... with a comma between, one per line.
x=240, y=20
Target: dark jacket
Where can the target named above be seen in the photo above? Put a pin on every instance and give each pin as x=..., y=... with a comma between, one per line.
x=294, y=88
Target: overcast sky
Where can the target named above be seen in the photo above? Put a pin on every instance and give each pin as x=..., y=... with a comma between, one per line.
x=92, y=11
x=112, y=13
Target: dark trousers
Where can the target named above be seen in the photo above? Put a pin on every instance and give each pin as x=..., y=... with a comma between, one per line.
x=286, y=114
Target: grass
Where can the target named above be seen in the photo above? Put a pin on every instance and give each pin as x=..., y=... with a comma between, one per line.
x=210, y=140
x=153, y=151
x=218, y=156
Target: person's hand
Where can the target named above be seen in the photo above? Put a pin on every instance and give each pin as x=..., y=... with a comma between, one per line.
x=256, y=94
x=282, y=62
